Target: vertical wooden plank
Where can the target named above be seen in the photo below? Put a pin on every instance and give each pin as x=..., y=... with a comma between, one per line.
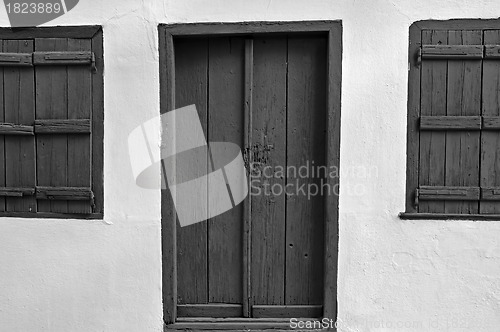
x=433, y=102
x=332, y=160
x=490, y=140
x=79, y=107
x=168, y=214
x=463, y=98
x=51, y=103
x=413, y=136
x=97, y=135
x=247, y=203
x=269, y=152
x=20, y=109
x=306, y=139
x=19, y=96
x=191, y=87
x=225, y=124
x=2, y=139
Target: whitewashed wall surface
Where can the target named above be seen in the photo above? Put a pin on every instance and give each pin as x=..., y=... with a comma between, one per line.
x=393, y=275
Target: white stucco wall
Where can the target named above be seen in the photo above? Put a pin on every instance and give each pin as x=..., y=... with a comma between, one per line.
x=394, y=275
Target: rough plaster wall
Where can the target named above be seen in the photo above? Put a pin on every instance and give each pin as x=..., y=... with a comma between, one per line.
x=67, y=275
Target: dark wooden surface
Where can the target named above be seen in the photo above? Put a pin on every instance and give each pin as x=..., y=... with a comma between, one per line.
x=450, y=122
x=268, y=130
x=50, y=32
x=51, y=101
x=469, y=90
x=16, y=129
x=77, y=55
x=490, y=194
x=191, y=82
x=317, y=251
x=225, y=124
x=168, y=214
x=433, y=103
x=16, y=59
x=97, y=157
x=306, y=146
x=19, y=106
x=247, y=203
x=491, y=51
x=454, y=51
x=448, y=193
x=75, y=126
x=287, y=311
x=331, y=238
x=413, y=135
x=490, y=109
x=463, y=99
x=247, y=28
x=448, y=216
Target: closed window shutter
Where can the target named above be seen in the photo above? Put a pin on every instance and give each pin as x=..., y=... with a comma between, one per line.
x=459, y=122
x=46, y=125
x=63, y=124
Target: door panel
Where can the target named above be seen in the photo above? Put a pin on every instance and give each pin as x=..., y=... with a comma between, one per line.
x=288, y=128
x=268, y=139
x=225, y=113
x=306, y=133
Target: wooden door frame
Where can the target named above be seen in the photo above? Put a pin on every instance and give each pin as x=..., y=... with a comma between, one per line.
x=333, y=29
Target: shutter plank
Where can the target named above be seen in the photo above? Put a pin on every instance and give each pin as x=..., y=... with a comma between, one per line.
x=8, y=59
x=191, y=87
x=73, y=126
x=16, y=129
x=491, y=51
x=491, y=122
x=98, y=122
x=450, y=123
x=268, y=130
x=306, y=142
x=490, y=194
x=64, y=193
x=225, y=123
x=448, y=193
x=84, y=56
x=51, y=100
x=490, y=140
x=210, y=310
x=19, y=103
x=452, y=52
x=79, y=113
x=463, y=99
x=433, y=103
x=16, y=192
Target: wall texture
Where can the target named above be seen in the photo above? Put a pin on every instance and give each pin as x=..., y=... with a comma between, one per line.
x=393, y=275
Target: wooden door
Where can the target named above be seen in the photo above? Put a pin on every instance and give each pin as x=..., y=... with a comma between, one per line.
x=268, y=94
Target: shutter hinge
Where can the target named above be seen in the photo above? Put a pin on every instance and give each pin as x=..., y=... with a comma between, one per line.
x=416, y=197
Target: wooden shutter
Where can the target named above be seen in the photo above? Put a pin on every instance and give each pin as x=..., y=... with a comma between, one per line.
x=459, y=122
x=46, y=124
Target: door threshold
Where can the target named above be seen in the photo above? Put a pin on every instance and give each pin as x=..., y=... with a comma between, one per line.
x=235, y=324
